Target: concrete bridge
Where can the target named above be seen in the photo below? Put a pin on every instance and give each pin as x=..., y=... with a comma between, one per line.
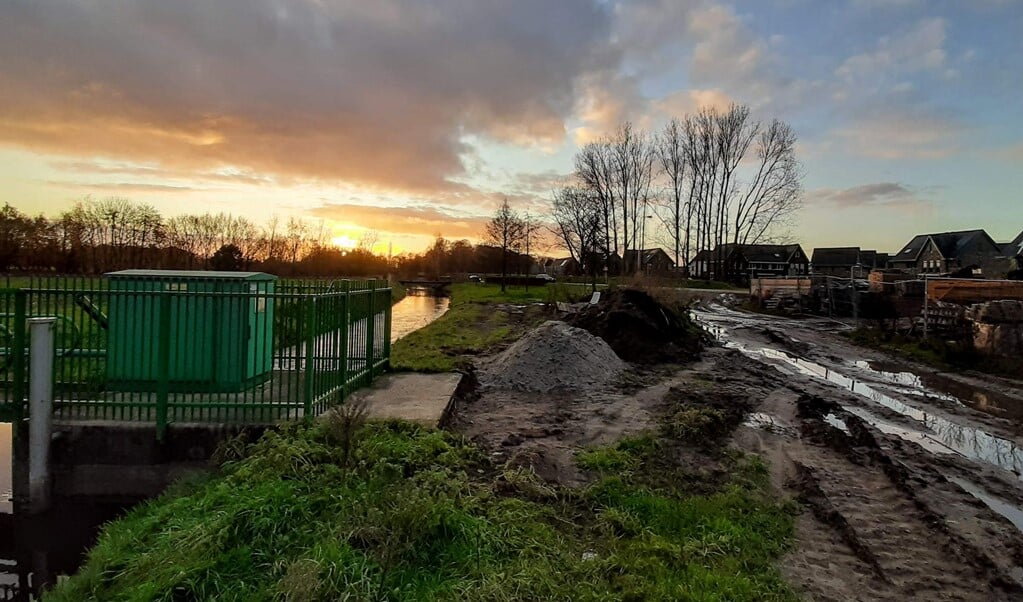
x=438, y=285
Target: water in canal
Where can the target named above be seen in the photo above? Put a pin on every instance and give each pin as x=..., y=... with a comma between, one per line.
x=34, y=550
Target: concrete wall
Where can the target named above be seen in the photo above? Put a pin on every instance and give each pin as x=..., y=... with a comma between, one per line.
x=126, y=461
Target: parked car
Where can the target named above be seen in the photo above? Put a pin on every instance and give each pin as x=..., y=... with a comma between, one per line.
x=545, y=277
x=475, y=278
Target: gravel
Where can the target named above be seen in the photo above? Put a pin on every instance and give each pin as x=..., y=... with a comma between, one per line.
x=553, y=357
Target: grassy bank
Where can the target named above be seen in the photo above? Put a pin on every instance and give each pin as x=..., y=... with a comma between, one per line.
x=479, y=319
x=398, y=291
x=413, y=514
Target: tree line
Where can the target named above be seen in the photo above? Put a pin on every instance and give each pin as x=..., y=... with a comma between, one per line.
x=96, y=236
x=705, y=180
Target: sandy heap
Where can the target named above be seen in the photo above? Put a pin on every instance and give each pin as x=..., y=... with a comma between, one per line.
x=553, y=357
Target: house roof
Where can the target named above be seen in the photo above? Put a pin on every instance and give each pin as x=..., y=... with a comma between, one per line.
x=752, y=253
x=768, y=253
x=949, y=244
x=835, y=256
x=648, y=255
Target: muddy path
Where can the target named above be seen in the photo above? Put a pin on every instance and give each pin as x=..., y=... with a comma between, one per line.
x=912, y=490
x=908, y=490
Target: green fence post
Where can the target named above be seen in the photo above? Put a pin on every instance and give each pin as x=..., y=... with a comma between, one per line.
x=346, y=324
x=19, y=367
x=387, y=330
x=163, y=365
x=310, y=359
x=369, y=332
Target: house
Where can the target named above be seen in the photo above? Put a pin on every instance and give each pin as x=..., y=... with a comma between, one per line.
x=842, y=262
x=561, y=266
x=969, y=252
x=739, y=263
x=1015, y=248
x=652, y=261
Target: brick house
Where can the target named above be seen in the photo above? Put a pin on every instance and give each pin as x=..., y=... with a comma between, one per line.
x=950, y=252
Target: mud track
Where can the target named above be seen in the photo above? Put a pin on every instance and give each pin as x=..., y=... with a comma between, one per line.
x=904, y=496
x=911, y=492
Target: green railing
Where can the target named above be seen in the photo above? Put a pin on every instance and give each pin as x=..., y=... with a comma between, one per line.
x=211, y=357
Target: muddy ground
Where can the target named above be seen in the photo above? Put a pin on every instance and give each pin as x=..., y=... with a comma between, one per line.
x=909, y=480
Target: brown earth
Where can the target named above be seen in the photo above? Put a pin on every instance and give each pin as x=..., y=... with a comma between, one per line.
x=883, y=518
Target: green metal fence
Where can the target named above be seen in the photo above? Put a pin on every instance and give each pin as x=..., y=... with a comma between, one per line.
x=166, y=356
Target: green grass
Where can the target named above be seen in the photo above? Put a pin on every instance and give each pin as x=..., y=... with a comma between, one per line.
x=474, y=325
x=417, y=514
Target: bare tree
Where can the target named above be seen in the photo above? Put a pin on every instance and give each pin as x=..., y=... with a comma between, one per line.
x=595, y=172
x=671, y=154
x=505, y=230
x=774, y=192
x=578, y=220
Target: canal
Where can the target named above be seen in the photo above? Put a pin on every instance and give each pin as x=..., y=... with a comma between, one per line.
x=36, y=551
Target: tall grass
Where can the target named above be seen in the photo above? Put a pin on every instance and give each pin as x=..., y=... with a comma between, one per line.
x=416, y=514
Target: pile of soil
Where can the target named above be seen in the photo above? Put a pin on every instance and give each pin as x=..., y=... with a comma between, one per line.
x=552, y=357
x=639, y=328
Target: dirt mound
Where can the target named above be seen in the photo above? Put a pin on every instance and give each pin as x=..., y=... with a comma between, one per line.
x=639, y=328
x=552, y=357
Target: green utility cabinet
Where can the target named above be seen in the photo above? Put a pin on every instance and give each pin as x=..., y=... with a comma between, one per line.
x=207, y=331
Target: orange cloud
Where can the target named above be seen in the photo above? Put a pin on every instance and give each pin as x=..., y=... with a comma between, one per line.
x=378, y=96
x=414, y=221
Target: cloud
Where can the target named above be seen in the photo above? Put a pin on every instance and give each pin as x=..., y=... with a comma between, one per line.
x=122, y=187
x=918, y=48
x=541, y=183
x=692, y=101
x=414, y=220
x=379, y=94
x=894, y=133
x=880, y=195
x=1012, y=153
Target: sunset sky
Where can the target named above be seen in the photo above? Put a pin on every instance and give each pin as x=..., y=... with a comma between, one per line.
x=413, y=118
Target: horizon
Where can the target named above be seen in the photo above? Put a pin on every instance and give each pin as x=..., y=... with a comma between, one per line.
x=410, y=122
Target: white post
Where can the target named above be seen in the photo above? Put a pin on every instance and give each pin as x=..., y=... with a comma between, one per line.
x=40, y=411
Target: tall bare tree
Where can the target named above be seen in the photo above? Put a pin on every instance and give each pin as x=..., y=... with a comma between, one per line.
x=578, y=220
x=507, y=231
x=671, y=154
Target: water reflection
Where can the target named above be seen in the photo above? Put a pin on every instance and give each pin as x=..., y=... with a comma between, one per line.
x=969, y=441
x=416, y=311
x=35, y=551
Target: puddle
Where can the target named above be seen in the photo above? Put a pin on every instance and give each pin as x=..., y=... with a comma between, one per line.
x=837, y=422
x=939, y=434
x=937, y=386
x=1012, y=513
